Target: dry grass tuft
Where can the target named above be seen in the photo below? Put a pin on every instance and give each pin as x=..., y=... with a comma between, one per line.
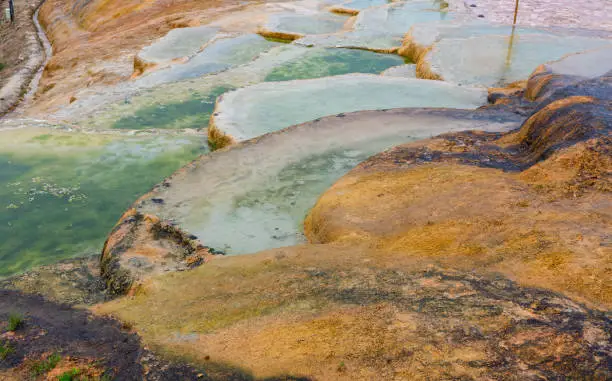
x=418, y=54
x=217, y=138
x=344, y=11
x=284, y=36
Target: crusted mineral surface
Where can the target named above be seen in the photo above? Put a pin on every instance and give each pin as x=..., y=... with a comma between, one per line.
x=324, y=312
x=533, y=204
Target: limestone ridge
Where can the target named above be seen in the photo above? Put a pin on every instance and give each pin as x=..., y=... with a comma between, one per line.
x=545, y=130
x=542, y=191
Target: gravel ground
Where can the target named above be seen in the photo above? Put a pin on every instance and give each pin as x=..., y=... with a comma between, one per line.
x=584, y=14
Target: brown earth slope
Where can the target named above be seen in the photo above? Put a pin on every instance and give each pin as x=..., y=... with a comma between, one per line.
x=13, y=36
x=95, y=41
x=326, y=313
x=53, y=339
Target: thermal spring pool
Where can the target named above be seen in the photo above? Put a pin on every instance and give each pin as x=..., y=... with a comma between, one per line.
x=254, y=195
x=63, y=191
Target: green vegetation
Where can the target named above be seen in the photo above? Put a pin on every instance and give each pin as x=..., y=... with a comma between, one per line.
x=5, y=350
x=2, y=66
x=15, y=321
x=279, y=40
x=70, y=375
x=76, y=375
x=46, y=365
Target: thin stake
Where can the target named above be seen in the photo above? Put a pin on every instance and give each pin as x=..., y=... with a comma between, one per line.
x=515, y=11
x=510, y=46
x=12, y=10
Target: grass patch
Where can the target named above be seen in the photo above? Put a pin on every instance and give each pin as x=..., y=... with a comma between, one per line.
x=46, y=365
x=76, y=374
x=5, y=350
x=15, y=321
x=71, y=375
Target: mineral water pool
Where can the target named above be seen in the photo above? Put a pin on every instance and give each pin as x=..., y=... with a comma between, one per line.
x=62, y=192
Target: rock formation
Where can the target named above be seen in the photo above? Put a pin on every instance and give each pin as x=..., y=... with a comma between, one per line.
x=532, y=204
x=453, y=257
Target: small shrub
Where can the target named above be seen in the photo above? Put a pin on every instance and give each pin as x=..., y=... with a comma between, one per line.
x=1, y=66
x=70, y=375
x=341, y=367
x=5, y=350
x=44, y=366
x=78, y=375
x=15, y=321
x=523, y=204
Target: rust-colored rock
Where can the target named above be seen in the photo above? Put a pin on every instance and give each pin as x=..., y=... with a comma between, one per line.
x=532, y=204
x=328, y=313
x=141, y=246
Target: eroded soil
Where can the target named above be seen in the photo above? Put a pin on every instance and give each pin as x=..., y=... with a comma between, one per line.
x=98, y=347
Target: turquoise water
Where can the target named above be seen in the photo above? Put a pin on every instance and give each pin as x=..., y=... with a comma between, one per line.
x=319, y=23
x=180, y=42
x=363, y=4
x=220, y=55
x=61, y=193
x=193, y=113
x=328, y=62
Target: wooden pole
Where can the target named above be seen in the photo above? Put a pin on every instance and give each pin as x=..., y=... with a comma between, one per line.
x=12, y=10
x=515, y=12
x=510, y=46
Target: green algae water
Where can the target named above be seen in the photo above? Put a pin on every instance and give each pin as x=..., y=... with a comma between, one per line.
x=193, y=108
x=320, y=63
x=61, y=193
x=192, y=113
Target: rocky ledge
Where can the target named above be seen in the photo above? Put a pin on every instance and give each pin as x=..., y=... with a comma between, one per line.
x=320, y=312
x=533, y=204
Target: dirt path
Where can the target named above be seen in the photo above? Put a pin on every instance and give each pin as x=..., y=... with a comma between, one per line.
x=21, y=54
